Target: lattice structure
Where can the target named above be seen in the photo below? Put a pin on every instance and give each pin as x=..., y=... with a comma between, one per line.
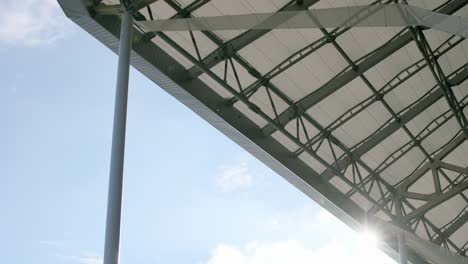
x=369, y=122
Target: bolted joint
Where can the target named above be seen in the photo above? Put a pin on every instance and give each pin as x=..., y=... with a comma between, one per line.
x=379, y=97
x=264, y=81
x=185, y=13
x=330, y=38
x=297, y=113
x=227, y=51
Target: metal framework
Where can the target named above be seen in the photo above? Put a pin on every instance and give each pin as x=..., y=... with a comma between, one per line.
x=253, y=108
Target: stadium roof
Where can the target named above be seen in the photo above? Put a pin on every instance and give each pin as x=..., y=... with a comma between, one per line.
x=370, y=122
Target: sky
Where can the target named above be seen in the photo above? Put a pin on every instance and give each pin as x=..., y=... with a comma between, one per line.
x=191, y=195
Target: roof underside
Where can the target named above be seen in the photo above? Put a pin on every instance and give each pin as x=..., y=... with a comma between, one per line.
x=373, y=119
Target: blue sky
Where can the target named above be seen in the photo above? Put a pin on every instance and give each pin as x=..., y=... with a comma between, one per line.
x=190, y=195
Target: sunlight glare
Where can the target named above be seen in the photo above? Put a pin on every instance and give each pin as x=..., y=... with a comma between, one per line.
x=368, y=239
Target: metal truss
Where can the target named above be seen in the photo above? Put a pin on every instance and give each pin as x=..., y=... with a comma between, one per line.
x=306, y=144
x=349, y=74
x=241, y=41
x=345, y=163
x=333, y=143
x=398, y=79
x=432, y=60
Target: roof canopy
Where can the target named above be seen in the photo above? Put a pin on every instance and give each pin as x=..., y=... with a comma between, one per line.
x=368, y=121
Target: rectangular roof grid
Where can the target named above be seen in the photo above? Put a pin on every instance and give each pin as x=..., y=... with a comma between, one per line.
x=313, y=66
x=458, y=156
x=459, y=237
x=422, y=120
x=445, y=212
x=159, y=10
x=358, y=42
x=441, y=136
x=381, y=152
x=424, y=185
x=363, y=124
x=334, y=106
x=325, y=92
x=402, y=167
x=219, y=7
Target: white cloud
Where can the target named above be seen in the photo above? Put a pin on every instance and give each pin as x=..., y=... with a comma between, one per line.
x=62, y=251
x=303, y=235
x=31, y=22
x=303, y=221
x=88, y=259
x=234, y=177
x=293, y=251
x=51, y=243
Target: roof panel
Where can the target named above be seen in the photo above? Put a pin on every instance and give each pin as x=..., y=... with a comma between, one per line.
x=332, y=107
x=325, y=101
x=160, y=10
x=386, y=148
x=404, y=166
x=358, y=42
x=364, y=124
x=423, y=119
x=459, y=237
x=458, y=156
x=445, y=212
x=441, y=136
x=425, y=184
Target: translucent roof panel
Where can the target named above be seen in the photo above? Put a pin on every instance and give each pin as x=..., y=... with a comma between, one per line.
x=368, y=121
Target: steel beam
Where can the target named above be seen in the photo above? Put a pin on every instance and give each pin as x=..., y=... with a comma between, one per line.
x=270, y=86
x=297, y=56
x=403, y=150
x=374, y=91
x=408, y=181
x=397, y=80
x=413, y=177
x=453, y=167
x=435, y=201
x=390, y=128
x=439, y=76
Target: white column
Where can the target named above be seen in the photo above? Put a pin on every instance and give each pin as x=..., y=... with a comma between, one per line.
x=114, y=199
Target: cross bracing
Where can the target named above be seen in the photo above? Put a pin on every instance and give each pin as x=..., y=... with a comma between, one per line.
x=421, y=170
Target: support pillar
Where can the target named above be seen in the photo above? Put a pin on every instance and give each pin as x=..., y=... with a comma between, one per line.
x=401, y=236
x=402, y=248
x=114, y=199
